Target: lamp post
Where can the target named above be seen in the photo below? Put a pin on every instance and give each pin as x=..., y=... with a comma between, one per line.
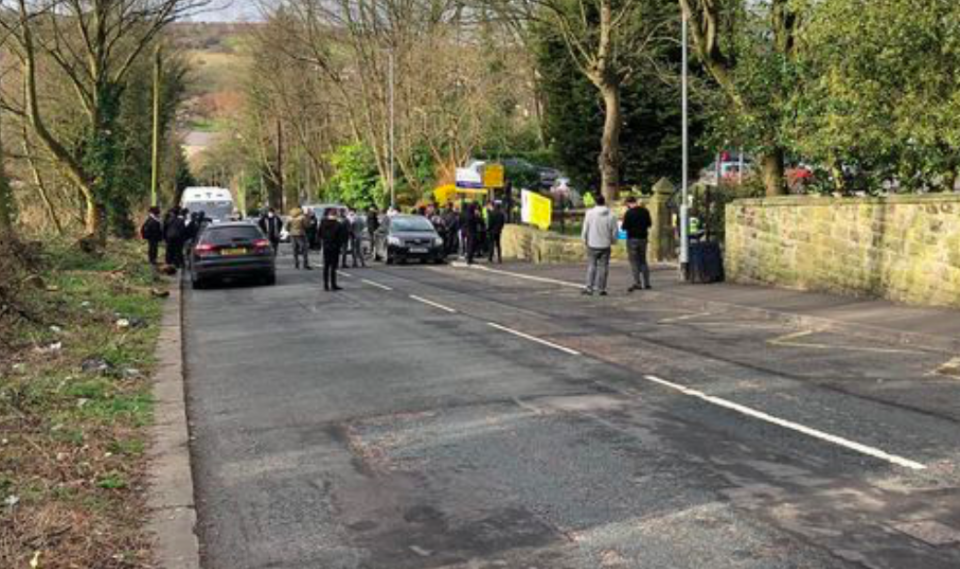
x=685, y=182
x=391, y=179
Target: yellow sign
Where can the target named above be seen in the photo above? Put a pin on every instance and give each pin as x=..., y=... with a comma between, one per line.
x=450, y=193
x=536, y=209
x=493, y=176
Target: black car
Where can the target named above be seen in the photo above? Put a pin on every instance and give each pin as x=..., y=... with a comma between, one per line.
x=234, y=249
x=404, y=237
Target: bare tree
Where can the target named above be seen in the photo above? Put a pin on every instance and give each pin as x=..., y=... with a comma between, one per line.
x=610, y=41
x=93, y=45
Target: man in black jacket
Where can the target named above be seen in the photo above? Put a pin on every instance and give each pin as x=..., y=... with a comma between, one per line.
x=272, y=225
x=333, y=236
x=152, y=233
x=174, y=232
x=495, y=222
x=637, y=223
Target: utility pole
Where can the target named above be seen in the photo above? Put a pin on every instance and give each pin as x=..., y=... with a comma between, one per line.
x=685, y=182
x=391, y=179
x=155, y=157
x=280, y=161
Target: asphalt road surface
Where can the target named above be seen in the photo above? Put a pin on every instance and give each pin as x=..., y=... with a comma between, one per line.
x=445, y=417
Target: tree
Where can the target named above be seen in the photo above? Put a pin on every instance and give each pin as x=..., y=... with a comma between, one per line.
x=749, y=48
x=573, y=115
x=879, y=101
x=93, y=45
x=610, y=41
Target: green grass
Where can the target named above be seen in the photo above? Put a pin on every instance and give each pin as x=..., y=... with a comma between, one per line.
x=74, y=453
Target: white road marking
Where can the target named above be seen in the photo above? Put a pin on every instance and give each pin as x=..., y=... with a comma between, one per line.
x=684, y=317
x=527, y=277
x=376, y=284
x=345, y=273
x=788, y=341
x=817, y=434
x=433, y=304
x=563, y=349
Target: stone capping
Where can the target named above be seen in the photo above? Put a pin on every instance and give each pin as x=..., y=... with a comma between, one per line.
x=815, y=200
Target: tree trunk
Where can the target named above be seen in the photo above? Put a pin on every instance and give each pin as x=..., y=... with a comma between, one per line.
x=6, y=200
x=610, y=143
x=772, y=164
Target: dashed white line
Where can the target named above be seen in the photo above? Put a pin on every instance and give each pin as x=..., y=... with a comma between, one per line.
x=345, y=273
x=817, y=434
x=376, y=284
x=433, y=304
x=541, y=341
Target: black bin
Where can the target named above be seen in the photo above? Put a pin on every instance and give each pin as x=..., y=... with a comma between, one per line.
x=706, y=263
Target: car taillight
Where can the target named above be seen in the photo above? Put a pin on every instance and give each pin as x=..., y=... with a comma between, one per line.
x=261, y=245
x=205, y=249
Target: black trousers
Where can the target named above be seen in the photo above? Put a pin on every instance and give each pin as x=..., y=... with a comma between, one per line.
x=331, y=260
x=175, y=253
x=153, y=251
x=470, y=246
x=494, y=244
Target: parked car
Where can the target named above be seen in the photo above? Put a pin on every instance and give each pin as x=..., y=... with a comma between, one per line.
x=231, y=250
x=405, y=237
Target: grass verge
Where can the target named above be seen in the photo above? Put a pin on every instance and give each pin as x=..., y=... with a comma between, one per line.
x=75, y=405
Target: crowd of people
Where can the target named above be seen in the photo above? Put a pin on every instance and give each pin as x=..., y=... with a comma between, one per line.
x=469, y=230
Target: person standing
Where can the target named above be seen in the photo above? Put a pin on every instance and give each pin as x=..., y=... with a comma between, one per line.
x=599, y=234
x=333, y=236
x=358, y=227
x=297, y=228
x=637, y=223
x=152, y=232
x=174, y=231
x=271, y=225
x=470, y=226
x=495, y=222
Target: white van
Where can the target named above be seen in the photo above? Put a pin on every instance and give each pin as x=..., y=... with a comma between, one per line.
x=215, y=203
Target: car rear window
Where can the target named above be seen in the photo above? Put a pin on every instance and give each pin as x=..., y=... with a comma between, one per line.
x=229, y=235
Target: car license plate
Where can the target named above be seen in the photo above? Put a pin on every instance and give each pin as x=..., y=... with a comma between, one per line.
x=418, y=250
x=233, y=252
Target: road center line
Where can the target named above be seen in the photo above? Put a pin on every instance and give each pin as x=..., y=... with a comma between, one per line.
x=376, y=284
x=563, y=349
x=433, y=304
x=817, y=434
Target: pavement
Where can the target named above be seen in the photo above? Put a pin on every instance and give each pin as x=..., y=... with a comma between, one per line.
x=451, y=417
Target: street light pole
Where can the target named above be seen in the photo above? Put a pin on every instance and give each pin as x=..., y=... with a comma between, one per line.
x=391, y=178
x=685, y=182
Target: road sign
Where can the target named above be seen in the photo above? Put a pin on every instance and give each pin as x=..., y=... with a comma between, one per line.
x=493, y=176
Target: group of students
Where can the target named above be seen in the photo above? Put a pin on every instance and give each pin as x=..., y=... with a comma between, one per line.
x=176, y=230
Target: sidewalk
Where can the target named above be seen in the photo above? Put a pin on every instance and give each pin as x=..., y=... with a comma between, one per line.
x=936, y=329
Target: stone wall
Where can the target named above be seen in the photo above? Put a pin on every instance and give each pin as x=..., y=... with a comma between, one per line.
x=530, y=244
x=535, y=246
x=904, y=248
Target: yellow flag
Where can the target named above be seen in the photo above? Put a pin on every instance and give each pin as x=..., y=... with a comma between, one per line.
x=536, y=209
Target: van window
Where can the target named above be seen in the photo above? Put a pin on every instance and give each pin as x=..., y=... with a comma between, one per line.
x=219, y=210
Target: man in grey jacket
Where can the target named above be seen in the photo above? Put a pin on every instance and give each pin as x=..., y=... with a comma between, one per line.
x=599, y=234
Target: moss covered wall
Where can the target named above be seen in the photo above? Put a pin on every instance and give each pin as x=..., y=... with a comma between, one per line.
x=904, y=248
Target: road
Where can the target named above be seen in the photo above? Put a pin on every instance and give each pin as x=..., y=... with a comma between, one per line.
x=445, y=417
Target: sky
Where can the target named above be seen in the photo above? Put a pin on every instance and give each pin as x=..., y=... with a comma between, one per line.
x=229, y=11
